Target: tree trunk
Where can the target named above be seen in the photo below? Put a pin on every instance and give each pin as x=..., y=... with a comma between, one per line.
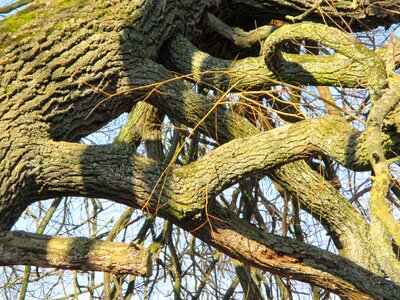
x=69, y=68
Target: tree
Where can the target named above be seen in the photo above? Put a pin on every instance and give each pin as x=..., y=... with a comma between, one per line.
x=299, y=96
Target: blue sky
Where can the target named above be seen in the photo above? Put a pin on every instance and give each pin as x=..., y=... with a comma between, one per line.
x=5, y=2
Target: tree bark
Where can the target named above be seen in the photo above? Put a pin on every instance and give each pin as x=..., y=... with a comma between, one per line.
x=23, y=248
x=68, y=68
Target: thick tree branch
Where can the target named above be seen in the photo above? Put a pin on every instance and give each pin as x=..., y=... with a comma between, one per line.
x=245, y=243
x=332, y=224
x=117, y=57
x=324, y=212
x=177, y=99
x=107, y=171
x=351, y=222
x=290, y=258
x=254, y=73
x=373, y=67
x=23, y=248
x=112, y=171
x=83, y=61
x=384, y=226
x=319, y=198
x=236, y=160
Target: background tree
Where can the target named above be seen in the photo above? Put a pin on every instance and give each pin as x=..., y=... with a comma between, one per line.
x=254, y=129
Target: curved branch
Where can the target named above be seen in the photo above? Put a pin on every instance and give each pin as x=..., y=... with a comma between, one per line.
x=234, y=161
x=353, y=224
x=325, y=213
x=252, y=72
x=343, y=43
x=382, y=219
x=114, y=172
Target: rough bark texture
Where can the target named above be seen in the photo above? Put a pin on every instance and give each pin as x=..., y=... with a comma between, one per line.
x=69, y=67
x=22, y=248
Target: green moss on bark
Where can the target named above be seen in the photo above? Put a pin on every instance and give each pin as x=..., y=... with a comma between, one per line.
x=29, y=21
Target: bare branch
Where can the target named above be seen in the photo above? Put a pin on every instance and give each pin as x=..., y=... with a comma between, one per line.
x=22, y=248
